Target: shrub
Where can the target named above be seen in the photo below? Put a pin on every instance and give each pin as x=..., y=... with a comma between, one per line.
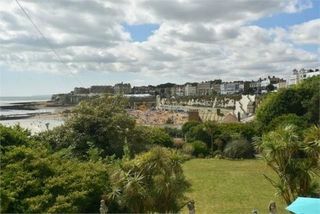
x=188, y=125
x=160, y=137
x=287, y=119
x=199, y=148
x=34, y=180
x=174, y=132
x=153, y=182
x=187, y=149
x=239, y=148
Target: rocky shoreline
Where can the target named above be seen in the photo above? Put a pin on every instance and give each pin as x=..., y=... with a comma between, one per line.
x=25, y=110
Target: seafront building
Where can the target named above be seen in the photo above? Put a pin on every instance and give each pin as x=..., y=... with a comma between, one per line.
x=302, y=74
x=202, y=89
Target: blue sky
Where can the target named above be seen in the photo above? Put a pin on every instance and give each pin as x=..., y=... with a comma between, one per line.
x=286, y=20
x=110, y=42
x=140, y=32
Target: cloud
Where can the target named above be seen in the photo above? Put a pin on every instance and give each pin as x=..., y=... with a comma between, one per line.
x=196, y=40
x=306, y=33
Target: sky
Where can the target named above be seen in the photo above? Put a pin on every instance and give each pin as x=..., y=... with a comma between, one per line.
x=101, y=42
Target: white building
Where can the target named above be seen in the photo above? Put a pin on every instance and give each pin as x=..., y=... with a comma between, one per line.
x=302, y=74
x=190, y=90
x=231, y=88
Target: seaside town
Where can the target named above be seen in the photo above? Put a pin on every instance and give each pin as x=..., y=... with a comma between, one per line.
x=206, y=101
x=171, y=106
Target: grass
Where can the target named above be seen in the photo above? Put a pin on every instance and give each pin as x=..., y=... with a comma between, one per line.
x=226, y=186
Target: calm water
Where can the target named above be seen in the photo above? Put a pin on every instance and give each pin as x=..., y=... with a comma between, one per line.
x=8, y=101
x=36, y=124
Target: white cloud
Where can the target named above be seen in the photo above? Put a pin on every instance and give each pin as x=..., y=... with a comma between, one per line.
x=196, y=40
x=306, y=33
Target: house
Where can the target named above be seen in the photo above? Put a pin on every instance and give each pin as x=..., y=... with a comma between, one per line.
x=190, y=89
x=231, y=88
x=143, y=89
x=179, y=90
x=204, y=88
x=99, y=89
x=81, y=90
x=122, y=88
x=302, y=74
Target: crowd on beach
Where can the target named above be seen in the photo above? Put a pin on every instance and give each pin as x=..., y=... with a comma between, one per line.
x=158, y=117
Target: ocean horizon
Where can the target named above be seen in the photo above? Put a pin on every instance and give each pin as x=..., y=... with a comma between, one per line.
x=7, y=100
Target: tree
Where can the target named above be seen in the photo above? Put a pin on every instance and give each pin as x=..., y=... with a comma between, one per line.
x=302, y=100
x=287, y=119
x=12, y=137
x=152, y=182
x=188, y=125
x=295, y=162
x=101, y=122
x=199, y=148
x=34, y=180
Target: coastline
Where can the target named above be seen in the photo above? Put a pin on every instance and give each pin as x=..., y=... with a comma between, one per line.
x=34, y=116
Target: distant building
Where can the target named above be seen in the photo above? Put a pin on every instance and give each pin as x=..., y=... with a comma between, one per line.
x=143, y=89
x=204, y=88
x=302, y=74
x=81, y=90
x=179, y=90
x=122, y=88
x=190, y=89
x=100, y=89
x=280, y=85
x=216, y=87
x=231, y=88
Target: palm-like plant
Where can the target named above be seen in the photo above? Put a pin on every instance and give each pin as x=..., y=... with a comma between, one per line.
x=294, y=161
x=152, y=182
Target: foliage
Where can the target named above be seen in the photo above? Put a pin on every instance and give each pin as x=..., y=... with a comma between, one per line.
x=158, y=136
x=313, y=86
x=239, y=148
x=34, y=180
x=12, y=136
x=101, y=122
x=188, y=125
x=302, y=100
x=270, y=87
x=187, y=149
x=294, y=161
x=199, y=148
x=287, y=119
x=152, y=182
x=174, y=132
x=245, y=130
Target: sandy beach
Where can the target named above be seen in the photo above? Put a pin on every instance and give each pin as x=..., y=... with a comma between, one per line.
x=39, y=119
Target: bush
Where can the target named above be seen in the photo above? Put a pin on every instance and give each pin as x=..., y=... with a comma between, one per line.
x=34, y=180
x=153, y=182
x=188, y=125
x=239, y=148
x=160, y=137
x=15, y=136
x=187, y=149
x=302, y=100
x=174, y=132
x=288, y=119
x=199, y=148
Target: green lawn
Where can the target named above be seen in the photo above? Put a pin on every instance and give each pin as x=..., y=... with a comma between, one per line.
x=226, y=186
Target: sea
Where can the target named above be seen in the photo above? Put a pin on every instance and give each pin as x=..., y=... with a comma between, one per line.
x=35, y=124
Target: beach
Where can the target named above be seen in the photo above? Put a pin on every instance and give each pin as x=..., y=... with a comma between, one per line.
x=34, y=115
